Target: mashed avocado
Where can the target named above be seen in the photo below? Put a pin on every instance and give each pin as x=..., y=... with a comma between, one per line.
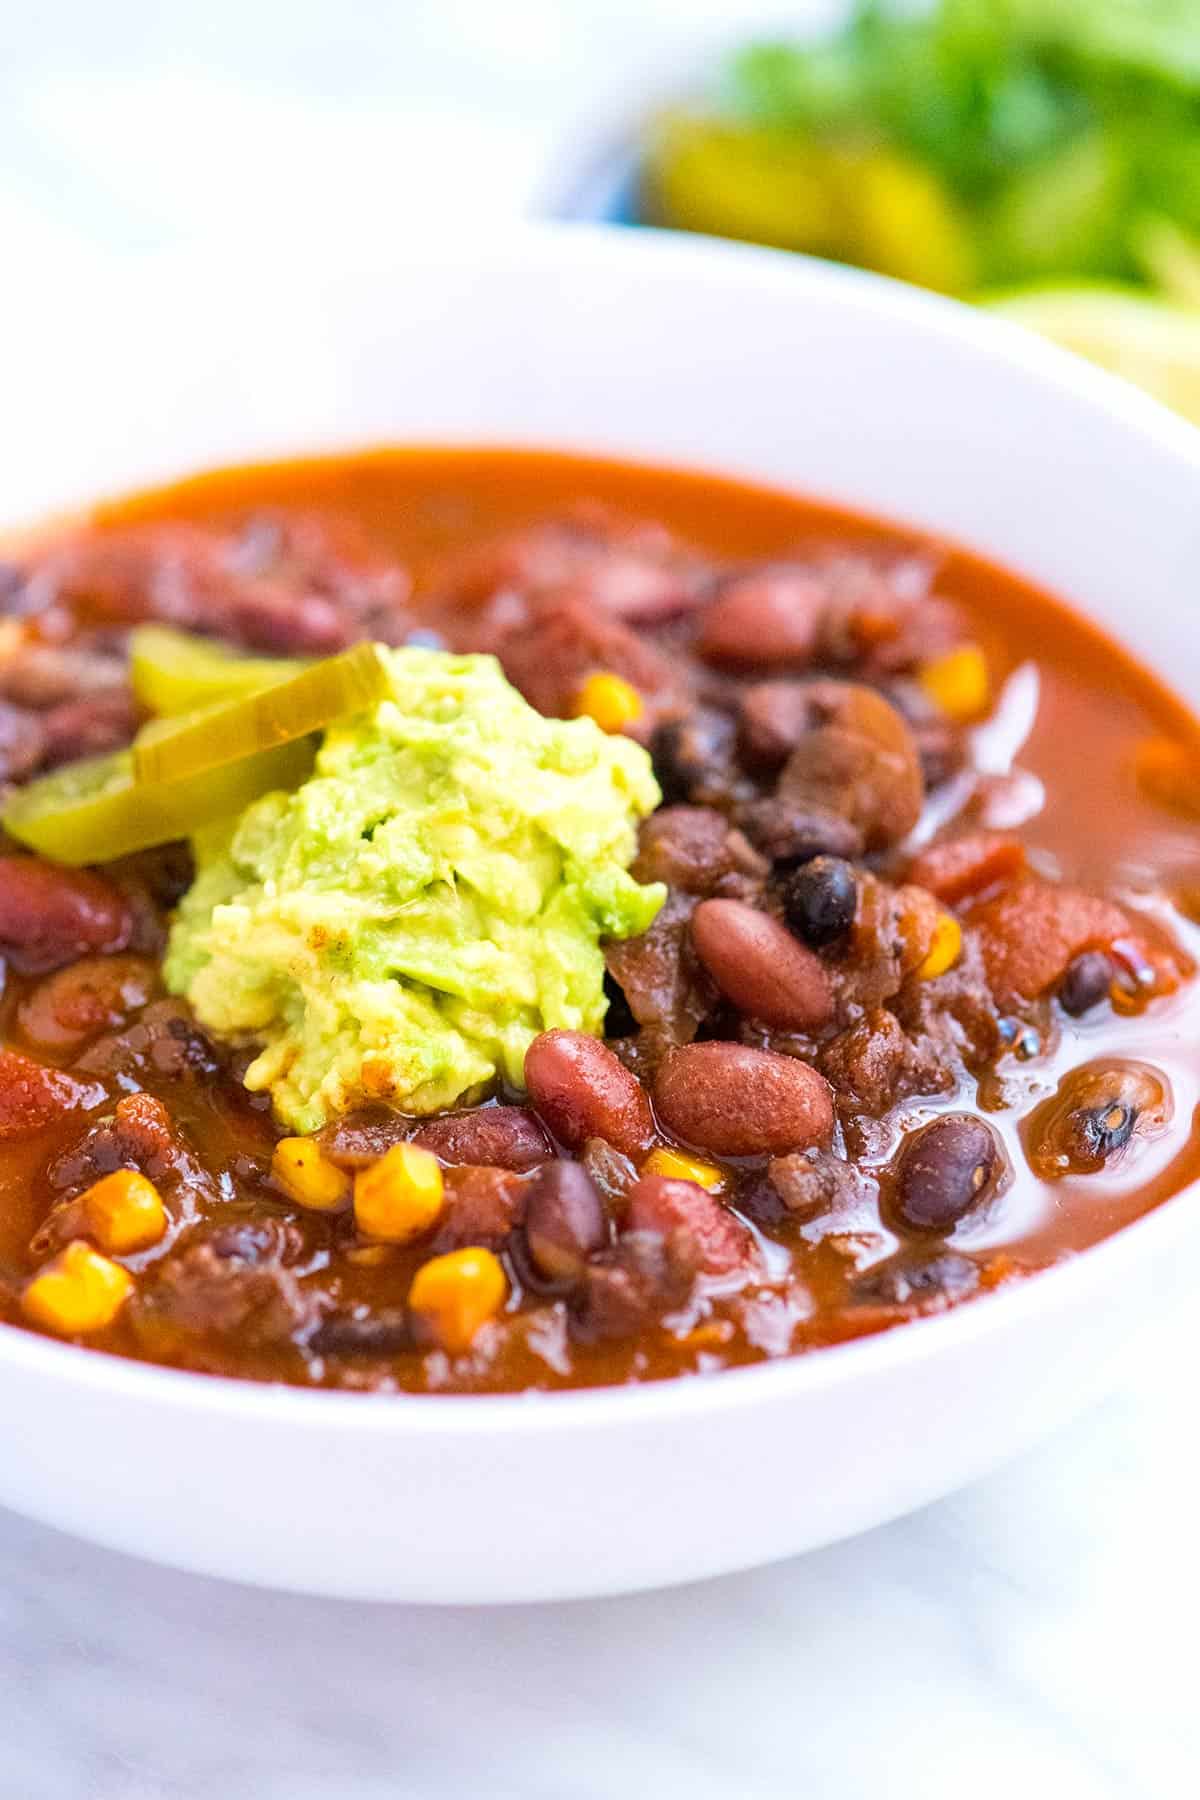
x=404, y=923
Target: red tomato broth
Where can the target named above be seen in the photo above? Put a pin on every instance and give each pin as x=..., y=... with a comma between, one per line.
x=1096, y=705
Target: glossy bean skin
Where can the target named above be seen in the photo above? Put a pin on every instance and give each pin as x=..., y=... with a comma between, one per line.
x=734, y=1101
x=1085, y=983
x=760, y=966
x=504, y=1137
x=769, y=620
x=858, y=760
x=717, y=1242
x=49, y=916
x=98, y=993
x=1095, y=1114
x=820, y=899
x=945, y=1170
x=565, y=1222
x=581, y=1091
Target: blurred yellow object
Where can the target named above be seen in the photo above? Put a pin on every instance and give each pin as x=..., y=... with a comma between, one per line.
x=610, y=700
x=1171, y=258
x=945, y=949
x=1149, y=342
x=124, y=1212
x=957, y=683
x=307, y=1176
x=399, y=1197
x=80, y=1291
x=678, y=1167
x=452, y=1296
x=740, y=182
x=859, y=203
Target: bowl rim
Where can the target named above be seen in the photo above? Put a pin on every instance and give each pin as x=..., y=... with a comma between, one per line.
x=742, y=267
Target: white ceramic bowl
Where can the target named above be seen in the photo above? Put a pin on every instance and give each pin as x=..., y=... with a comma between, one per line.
x=690, y=352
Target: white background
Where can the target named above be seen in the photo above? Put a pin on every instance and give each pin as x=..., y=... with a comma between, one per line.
x=1035, y=1635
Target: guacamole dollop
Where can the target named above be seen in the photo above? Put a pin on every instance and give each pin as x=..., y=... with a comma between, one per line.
x=404, y=923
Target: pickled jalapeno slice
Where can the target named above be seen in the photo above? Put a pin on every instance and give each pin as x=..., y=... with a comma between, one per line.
x=173, y=672
x=219, y=736
x=95, y=810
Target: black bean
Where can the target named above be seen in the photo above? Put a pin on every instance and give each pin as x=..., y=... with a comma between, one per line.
x=373, y=1334
x=904, y=1282
x=819, y=900
x=789, y=834
x=565, y=1222
x=1100, y=1131
x=1085, y=983
x=619, y=1022
x=691, y=754
x=943, y=1171
x=1097, y=1110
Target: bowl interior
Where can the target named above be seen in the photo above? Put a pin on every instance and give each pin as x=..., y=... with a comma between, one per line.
x=681, y=351
x=647, y=345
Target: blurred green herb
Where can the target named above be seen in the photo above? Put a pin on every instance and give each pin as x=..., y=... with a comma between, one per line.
x=1037, y=135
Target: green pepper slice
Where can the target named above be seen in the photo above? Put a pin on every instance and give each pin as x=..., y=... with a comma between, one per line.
x=172, y=672
x=172, y=751
x=95, y=810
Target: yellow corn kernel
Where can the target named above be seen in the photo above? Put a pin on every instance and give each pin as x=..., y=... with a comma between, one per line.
x=401, y=1196
x=678, y=1167
x=957, y=683
x=79, y=1291
x=453, y=1295
x=124, y=1212
x=307, y=1176
x=609, y=699
x=945, y=949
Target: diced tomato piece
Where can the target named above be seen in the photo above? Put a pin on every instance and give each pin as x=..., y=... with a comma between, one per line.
x=481, y=1207
x=1030, y=933
x=968, y=865
x=32, y=1096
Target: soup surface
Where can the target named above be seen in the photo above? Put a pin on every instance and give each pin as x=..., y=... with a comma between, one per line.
x=917, y=1016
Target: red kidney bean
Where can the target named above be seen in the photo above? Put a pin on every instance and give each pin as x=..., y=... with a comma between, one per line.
x=760, y=966
x=740, y=1102
x=97, y=993
x=770, y=618
x=582, y=1091
x=859, y=760
x=49, y=916
x=565, y=1222
x=720, y=1243
x=504, y=1137
x=944, y=1170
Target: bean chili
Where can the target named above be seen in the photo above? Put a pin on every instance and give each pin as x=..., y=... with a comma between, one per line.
x=906, y=1028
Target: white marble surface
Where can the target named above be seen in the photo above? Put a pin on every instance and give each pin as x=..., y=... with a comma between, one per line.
x=1035, y=1635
